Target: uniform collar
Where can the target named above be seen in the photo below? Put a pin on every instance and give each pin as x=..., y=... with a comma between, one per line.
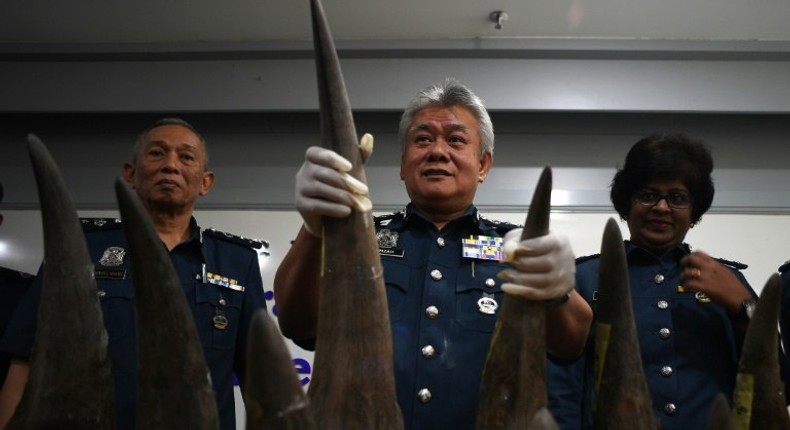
x=676, y=252
x=413, y=214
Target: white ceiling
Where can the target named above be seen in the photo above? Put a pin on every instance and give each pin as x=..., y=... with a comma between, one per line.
x=287, y=21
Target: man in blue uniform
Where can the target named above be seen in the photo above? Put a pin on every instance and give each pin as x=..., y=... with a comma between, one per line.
x=443, y=263
x=13, y=285
x=219, y=272
x=691, y=310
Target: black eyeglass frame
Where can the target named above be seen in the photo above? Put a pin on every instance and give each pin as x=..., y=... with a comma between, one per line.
x=641, y=197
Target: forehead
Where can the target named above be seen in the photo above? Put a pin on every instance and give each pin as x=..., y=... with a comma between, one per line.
x=445, y=117
x=667, y=185
x=173, y=135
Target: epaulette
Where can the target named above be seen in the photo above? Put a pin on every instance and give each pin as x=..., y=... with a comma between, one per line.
x=734, y=264
x=785, y=267
x=244, y=241
x=91, y=224
x=584, y=258
x=501, y=227
x=383, y=220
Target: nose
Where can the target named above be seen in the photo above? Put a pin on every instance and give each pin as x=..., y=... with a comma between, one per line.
x=662, y=204
x=438, y=151
x=170, y=162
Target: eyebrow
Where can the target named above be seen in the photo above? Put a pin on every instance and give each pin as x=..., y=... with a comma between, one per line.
x=427, y=127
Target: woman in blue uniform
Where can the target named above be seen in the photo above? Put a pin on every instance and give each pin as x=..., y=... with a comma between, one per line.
x=690, y=309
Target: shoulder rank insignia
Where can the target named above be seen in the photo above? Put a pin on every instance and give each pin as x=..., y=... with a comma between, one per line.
x=252, y=243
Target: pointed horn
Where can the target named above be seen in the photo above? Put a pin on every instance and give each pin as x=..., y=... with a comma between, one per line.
x=758, y=401
x=513, y=387
x=720, y=417
x=622, y=398
x=358, y=391
x=273, y=397
x=70, y=348
x=168, y=348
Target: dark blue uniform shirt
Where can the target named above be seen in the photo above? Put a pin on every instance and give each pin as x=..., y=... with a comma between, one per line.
x=206, y=252
x=13, y=285
x=443, y=308
x=689, y=345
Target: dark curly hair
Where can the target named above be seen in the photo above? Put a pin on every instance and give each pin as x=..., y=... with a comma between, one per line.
x=665, y=157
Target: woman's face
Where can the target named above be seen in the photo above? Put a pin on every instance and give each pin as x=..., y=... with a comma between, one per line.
x=660, y=226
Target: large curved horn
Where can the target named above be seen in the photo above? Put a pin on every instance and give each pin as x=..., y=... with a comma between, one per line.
x=273, y=397
x=353, y=383
x=70, y=348
x=622, y=400
x=513, y=388
x=170, y=361
x=758, y=401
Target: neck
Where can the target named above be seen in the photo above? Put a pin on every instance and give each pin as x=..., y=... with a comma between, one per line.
x=440, y=216
x=171, y=228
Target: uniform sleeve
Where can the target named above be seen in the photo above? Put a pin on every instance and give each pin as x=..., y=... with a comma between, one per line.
x=254, y=300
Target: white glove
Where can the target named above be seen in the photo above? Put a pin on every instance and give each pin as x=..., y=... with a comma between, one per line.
x=544, y=267
x=324, y=188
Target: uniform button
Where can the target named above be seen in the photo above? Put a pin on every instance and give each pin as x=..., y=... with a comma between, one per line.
x=670, y=408
x=424, y=395
x=659, y=278
x=222, y=302
x=101, y=293
x=428, y=351
x=432, y=312
x=490, y=282
x=666, y=371
x=664, y=333
x=662, y=304
x=436, y=274
x=440, y=242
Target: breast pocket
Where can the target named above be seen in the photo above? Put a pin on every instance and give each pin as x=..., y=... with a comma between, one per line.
x=117, y=310
x=217, y=315
x=396, y=278
x=478, y=297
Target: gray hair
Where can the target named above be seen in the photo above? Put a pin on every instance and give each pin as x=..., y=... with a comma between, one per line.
x=449, y=93
x=168, y=121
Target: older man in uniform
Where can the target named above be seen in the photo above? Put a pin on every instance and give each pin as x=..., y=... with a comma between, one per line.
x=444, y=282
x=219, y=272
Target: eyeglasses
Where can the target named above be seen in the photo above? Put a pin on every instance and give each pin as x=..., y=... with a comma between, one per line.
x=675, y=199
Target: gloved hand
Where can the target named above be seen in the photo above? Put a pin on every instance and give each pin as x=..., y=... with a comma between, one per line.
x=544, y=267
x=324, y=188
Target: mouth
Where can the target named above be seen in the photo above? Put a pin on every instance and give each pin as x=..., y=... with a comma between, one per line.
x=435, y=172
x=659, y=224
x=168, y=183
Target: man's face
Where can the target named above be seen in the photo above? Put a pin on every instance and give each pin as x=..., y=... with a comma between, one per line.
x=441, y=163
x=169, y=169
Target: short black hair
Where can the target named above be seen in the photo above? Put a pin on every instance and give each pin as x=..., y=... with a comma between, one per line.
x=665, y=157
